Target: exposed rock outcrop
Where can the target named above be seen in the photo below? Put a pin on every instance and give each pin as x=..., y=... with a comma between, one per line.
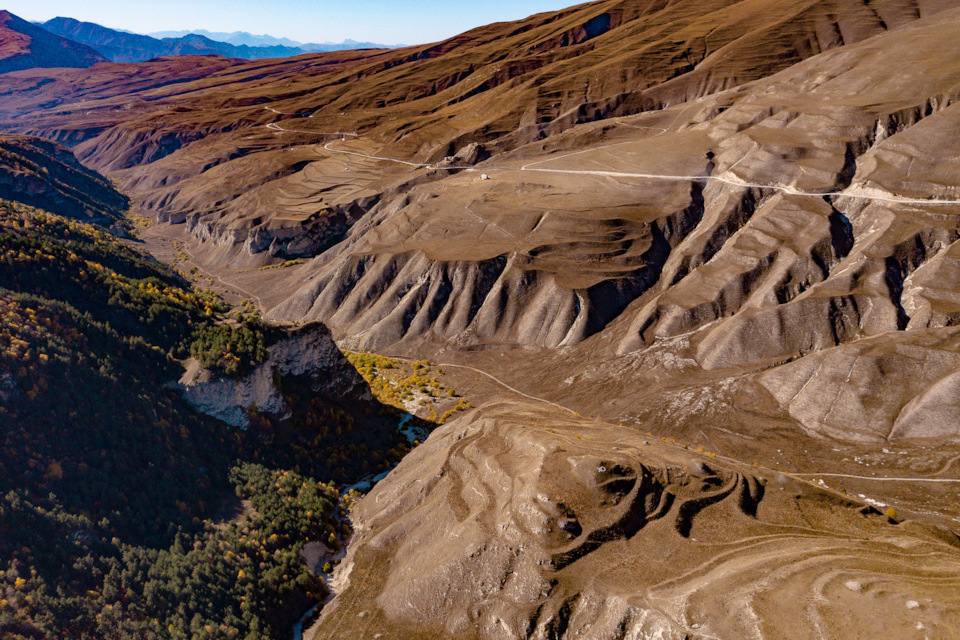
x=305, y=351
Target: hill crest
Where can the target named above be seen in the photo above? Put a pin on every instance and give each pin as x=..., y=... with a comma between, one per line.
x=122, y=46
x=24, y=46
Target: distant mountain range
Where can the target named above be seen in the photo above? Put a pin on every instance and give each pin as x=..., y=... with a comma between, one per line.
x=239, y=38
x=66, y=42
x=121, y=46
x=24, y=46
x=236, y=38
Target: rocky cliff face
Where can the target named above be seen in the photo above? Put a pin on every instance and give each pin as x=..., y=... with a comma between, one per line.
x=307, y=351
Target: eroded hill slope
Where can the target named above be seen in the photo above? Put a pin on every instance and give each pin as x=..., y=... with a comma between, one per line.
x=559, y=245
x=203, y=146
x=521, y=522
x=733, y=224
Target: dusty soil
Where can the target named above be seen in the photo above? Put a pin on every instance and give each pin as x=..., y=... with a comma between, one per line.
x=521, y=521
x=629, y=232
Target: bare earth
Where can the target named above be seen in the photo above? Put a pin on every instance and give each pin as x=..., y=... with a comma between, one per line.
x=695, y=263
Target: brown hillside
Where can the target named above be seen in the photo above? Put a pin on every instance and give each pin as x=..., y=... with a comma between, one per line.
x=728, y=224
x=519, y=522
x=25, y=46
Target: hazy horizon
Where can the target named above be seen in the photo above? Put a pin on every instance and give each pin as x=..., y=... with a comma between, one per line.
x=384, y=22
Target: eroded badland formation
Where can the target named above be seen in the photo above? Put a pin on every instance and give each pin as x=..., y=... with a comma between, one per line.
x=695, y=264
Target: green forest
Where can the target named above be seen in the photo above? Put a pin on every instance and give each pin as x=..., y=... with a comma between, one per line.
x=117, y=516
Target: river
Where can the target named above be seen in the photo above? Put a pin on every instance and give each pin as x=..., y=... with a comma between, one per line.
x=414, y=435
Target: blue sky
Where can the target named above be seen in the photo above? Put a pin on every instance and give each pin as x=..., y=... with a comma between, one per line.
x=382, y=21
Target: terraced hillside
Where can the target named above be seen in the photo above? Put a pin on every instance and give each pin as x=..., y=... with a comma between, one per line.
x=716, y=224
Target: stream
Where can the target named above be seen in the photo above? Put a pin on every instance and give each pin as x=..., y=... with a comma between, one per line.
x=412, y=434
x=298, y=628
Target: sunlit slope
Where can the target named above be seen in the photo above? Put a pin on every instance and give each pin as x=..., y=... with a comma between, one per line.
x=518, y=521
x=185, y=136
x=820, y=188
x=24, y=46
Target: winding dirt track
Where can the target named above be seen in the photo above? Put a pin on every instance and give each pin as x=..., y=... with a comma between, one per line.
x=877, y=478
x=799, y=476
x=223, y=282
x=892, y=198
x=496, y=380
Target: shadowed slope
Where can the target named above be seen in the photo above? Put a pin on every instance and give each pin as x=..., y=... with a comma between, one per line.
x=43, y=174
x=24, y=46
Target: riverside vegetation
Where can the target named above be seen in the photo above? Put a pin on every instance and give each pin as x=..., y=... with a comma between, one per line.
x=414, y=384
x=110, y=481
